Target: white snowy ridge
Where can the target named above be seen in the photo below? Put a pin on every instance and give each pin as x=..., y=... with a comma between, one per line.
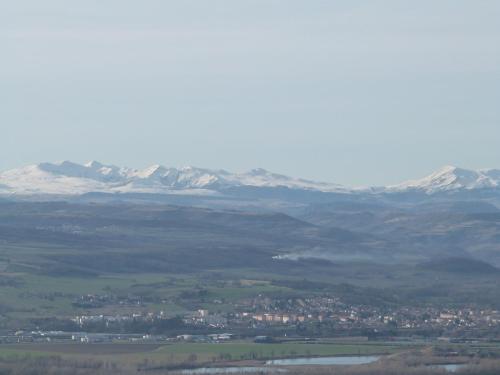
x=450, y=178
x=68, y=178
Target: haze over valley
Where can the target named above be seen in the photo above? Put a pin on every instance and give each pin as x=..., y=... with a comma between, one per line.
x=452, y=213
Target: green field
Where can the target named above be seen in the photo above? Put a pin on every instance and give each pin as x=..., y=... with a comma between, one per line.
x=33, y=295
x=201, y=353
x=245, y=350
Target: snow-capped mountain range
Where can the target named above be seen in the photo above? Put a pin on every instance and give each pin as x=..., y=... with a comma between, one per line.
x=68, y=178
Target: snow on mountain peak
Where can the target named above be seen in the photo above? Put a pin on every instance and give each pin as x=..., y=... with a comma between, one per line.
x=93, y=165
x=451, y=178
x=68, y=178
x=155, y=170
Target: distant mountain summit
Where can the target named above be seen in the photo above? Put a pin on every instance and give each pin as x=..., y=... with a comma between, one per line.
x=70, y=179
x=450, y=178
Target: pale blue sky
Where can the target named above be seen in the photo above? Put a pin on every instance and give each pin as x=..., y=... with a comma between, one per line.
x=354, y=92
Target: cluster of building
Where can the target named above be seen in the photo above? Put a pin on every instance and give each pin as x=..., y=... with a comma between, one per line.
x=82, y=320
x=350, y=316
x=282, y=318
x=85, y=337
x=203, y=317
x=264, y=314
x=81, y=337
x=94, y=301
x=264, y=311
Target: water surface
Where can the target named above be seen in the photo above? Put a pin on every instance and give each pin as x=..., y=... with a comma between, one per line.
x=341, y=360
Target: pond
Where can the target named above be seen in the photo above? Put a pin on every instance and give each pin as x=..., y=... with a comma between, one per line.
x=316, y=361
x=325, y=361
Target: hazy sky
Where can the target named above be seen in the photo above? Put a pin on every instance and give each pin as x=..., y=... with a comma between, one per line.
x=354, y=92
